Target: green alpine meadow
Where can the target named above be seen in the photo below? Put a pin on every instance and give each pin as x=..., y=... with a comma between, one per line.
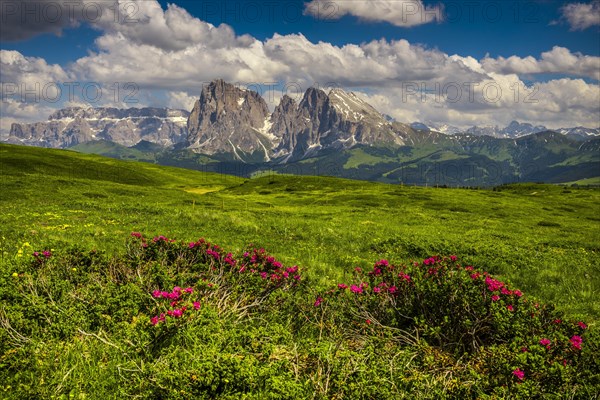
x=299, y=200
x=126, y=279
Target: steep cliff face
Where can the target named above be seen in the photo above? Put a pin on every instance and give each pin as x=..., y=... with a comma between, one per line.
x=358, y=122
x=300, y=126
x=71, y=126
x=227, y=119
x=336, y=120
x=230, y=121
x=284, y=125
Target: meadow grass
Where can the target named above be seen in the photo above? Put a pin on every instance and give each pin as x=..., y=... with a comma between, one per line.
x=94, y=317
x=543, y=238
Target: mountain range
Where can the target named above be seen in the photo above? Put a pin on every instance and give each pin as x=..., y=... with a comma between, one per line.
x=513, y=130
x=231, y=130
x=71, y=126
x=230, y=120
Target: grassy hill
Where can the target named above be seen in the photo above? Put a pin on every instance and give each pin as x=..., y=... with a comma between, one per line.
x=462, y=160
x=429, y=159
x=90, y=311
x=542, y=237
x=143, y=151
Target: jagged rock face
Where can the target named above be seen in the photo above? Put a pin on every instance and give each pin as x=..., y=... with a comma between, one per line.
x=284, y=117
x=360, y=122
x=315, y=117
x=117, y=113
x=284, y=124
x=52, y=133
x=231, y=121
x=71, y=126
x=300, y=126
x=228, y=119
x=334, y=120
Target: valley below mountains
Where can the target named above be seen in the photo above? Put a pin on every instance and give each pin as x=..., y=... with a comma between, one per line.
x=335, y=133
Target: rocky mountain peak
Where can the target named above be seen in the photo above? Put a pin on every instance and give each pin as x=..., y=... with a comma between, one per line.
x=337, y=119
x=313, y=98
x=353, y=107
x=283, y=119
x=69, y=112
x=232, y=121
x=227, y=119
x=315, y=110
x=286, y=103
x=73, y=125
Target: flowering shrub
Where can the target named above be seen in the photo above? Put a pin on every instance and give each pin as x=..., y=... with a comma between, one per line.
x=237, y=284
x=175, y=304
x=173, y=319
x=461, y=310
x=40, y=257
x=254, y=271
x=257, y=261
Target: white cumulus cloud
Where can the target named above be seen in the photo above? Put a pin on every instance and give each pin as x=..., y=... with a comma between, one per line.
x=558, y=60
x=181, y=100
x=404, y=13
x=581, y=16
x=29, y=79
x=170, y=54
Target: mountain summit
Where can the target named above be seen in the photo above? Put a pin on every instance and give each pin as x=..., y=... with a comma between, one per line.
x=74, y=125
x=337, y=120
x=234, y=124
x=227, y=119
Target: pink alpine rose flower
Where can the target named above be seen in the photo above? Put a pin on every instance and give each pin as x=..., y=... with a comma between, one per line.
x=519, y=374
x=356, y=289
x=576, y=341
x=545, y=342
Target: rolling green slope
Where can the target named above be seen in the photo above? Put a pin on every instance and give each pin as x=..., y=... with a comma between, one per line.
x=543, y=237
x=92, y=306
x=114, y=150
x=462, y=160
x=428, y=159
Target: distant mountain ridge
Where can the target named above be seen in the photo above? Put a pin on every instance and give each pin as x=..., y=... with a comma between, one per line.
x=512, y=131
x=71, y=126
x=436, y=127
x=229, y=120
x=231, y=130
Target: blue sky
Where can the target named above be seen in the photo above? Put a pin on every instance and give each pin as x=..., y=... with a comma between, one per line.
x=476, y=28
x=371, y=46
x=471, y=28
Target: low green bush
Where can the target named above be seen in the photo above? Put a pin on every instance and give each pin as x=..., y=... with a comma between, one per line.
x=169, y=319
